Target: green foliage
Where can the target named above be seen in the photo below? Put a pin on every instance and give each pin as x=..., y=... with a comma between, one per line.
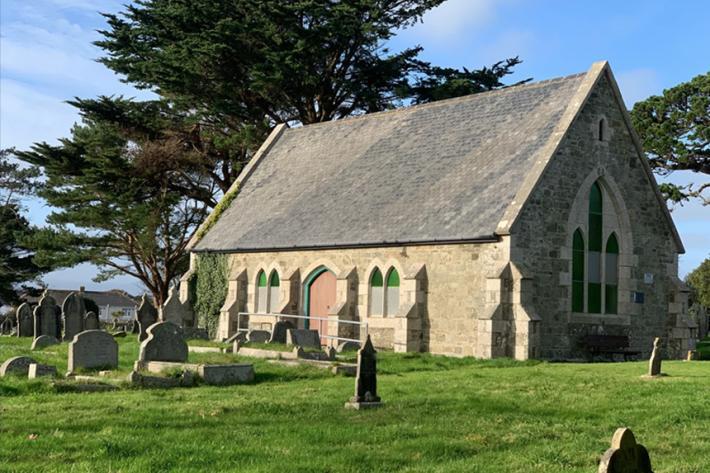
x=210, y=289
x=699, y=281
x=675, y=132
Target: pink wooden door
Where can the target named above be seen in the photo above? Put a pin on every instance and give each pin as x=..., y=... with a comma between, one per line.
x=320, y=300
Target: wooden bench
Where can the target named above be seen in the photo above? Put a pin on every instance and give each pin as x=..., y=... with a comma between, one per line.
x=608, y=345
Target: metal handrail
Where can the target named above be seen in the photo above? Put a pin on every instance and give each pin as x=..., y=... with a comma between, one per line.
x=296, y=316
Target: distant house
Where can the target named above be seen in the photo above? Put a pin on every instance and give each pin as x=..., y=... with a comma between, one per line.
x=108, y=302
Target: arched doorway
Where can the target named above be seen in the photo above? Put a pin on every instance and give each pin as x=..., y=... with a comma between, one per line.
x=319, y=299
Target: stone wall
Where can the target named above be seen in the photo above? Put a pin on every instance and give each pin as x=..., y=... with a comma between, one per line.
x=442, y=289
x=541, y=238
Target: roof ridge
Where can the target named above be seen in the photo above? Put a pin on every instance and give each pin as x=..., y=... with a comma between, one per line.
x=442, y=102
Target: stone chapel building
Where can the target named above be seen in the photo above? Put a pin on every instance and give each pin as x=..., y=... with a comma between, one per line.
x=507, y=223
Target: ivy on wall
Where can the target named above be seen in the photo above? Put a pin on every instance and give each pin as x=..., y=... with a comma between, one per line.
x=210, y=283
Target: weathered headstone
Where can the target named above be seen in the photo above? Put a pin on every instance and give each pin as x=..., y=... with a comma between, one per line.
x=135, y=327
x=177, y=312
x=347, y=346
x=92, y=349
x=36, y=370
x=17, y=365
x=366, y=380
x=73, y=311
x=6, y=326
x=164, y=342
x=625, y=455
x=258, y=336
x=25, y=325
x=303, y=338
x=44, y=341
x=45, y=318
x=654, y=364
x=91, y=321
x=146, y=315
x=280, y=331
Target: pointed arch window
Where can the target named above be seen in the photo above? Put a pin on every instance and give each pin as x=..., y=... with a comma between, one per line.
x=392, y=292
x=578, y=271
x=261, y=293
x=611, y=270
x=274, y=292
x=377, y=293
x=595, y=268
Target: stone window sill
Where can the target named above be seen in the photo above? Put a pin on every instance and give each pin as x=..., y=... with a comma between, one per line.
x=600, y=319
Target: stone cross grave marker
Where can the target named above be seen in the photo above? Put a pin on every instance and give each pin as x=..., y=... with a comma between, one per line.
x=46, y=319
x=16, y=365
x=366, y=380
x=91, y=321
x=25, y=324
x=146, y=315
x=92, y=349
x=164, y=342
x=175, y=311
x=654, y=364
x=625, y=455
x=73, y=311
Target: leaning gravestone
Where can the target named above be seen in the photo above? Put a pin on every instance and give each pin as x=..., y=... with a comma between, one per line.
x=36, y=370
x=73, y=311
x=25, y=325
x=303, y=338
x=91, y=321
x=45, y=318
x=654, y=364
x=16, y=365
x=280, y=331
x=366, y=380
x=146, y=315
x=625, y=455
x=92, y=349
x=164, y=342
x=175, y=311
x=44, y=341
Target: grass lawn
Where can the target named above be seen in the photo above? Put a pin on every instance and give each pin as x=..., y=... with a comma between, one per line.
x=441, y=415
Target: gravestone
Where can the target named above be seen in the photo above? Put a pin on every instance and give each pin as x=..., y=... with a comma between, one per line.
x=164, y=342
x=258, y=336
x=6, y=326
x=175, y=311
x=91, y=321
x=16, y=365
x=303, y=338
x=366, y=380
x=36, y=370
x=280, y=331
x=625, y=455
x=25, y=324
x=92, y=349
x=347, y=346
x=146, y=315
x=135, y=327
x=46, y=321
x=44, y=341
x=654, y=364
x=73, y=312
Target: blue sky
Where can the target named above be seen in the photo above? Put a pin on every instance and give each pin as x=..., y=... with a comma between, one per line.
x=46, y=57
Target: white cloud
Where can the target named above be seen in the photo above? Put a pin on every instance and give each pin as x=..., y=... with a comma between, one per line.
x=638, y=84
x=454, y=18
x=508, y=44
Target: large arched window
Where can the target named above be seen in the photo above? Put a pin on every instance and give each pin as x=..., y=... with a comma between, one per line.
x=578, y=271
x=611, y=273
x=392, y=293
x=274, y=292
x=261, y=293
x=377, y=293
x=595, y=285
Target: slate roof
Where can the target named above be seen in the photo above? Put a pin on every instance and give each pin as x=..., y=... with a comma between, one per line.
x=444, y=171
x=113, y=298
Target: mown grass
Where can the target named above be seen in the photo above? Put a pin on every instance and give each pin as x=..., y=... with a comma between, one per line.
x=440, y=415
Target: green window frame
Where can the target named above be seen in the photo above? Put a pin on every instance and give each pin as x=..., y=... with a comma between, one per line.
x=274, y=281
x=578, y=271
x=611, y=275
x=376, y=278
x=594, y=255
x=261, y=279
